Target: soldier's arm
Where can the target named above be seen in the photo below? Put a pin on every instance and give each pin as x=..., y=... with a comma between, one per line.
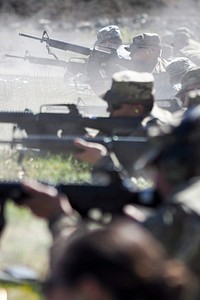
x=90, y=152
x=47, y=203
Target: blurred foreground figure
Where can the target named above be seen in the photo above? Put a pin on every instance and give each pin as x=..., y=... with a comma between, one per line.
x=175, y=161
x=122, y=261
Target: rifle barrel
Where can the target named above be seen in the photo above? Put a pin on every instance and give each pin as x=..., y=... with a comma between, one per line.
x=15, y=56
x=60, y=44
x=32, y=37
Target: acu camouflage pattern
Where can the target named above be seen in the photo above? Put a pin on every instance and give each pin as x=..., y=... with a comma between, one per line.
x=145, y=40
x=107, y=33
x=190, y=81
x=177, y=225
x=130, y=87
x=191, y=78
x=178, y=67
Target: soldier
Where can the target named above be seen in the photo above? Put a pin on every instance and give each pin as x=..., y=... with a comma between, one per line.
x=189, y=82
x=131, y=95
x=104, y=59
x=145, y=52
x=176, y=163
x=175, y=157
x=184, y=45
x=175, y=71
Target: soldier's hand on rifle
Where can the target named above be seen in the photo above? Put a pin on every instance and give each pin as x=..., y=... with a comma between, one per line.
x=90, y=152
x=45, y=201
x=134, y=213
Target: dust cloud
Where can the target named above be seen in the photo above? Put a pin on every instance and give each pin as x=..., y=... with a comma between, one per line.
x=25, y=85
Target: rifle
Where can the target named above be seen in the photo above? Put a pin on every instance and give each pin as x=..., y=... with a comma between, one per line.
x=69, y=123
x=127, y=149
x=59, y=44
x=103, y=50
x=74, y=65
x=39, y=60
x=109, y=198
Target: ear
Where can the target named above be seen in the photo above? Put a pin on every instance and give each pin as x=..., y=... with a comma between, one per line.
x=92, y=289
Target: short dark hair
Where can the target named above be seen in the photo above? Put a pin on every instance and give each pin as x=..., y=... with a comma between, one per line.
x=125, y=259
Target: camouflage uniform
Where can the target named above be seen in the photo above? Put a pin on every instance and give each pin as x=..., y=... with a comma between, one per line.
x=175, y=71
x=153, y=64
x=190, y=81
x=135, y=88
x=185, y=46
x=147, y=41
x=129, y=87
x=101, y=66
x=177, y=223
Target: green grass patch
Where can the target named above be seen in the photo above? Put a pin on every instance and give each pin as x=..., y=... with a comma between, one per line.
x=44, y=166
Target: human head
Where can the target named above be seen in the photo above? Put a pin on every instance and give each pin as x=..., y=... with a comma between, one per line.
x=109, y=36
x=145, y=47
x=190, y=81
x=178, y=67
x=181, y=38
x=175, y=152
x=130, y=89
x=121, y=261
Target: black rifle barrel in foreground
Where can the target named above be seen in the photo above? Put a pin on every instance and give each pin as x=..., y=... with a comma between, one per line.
x=66, y=144
x=51, y=123
x=59, y=44
x=83, y=198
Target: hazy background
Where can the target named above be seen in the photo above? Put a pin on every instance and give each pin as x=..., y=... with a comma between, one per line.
x=25, y=85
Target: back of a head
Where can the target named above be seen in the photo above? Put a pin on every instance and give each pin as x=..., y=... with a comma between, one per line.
x=181, y=39
x=178, y=67
x=182, y=34
x=126, y=260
